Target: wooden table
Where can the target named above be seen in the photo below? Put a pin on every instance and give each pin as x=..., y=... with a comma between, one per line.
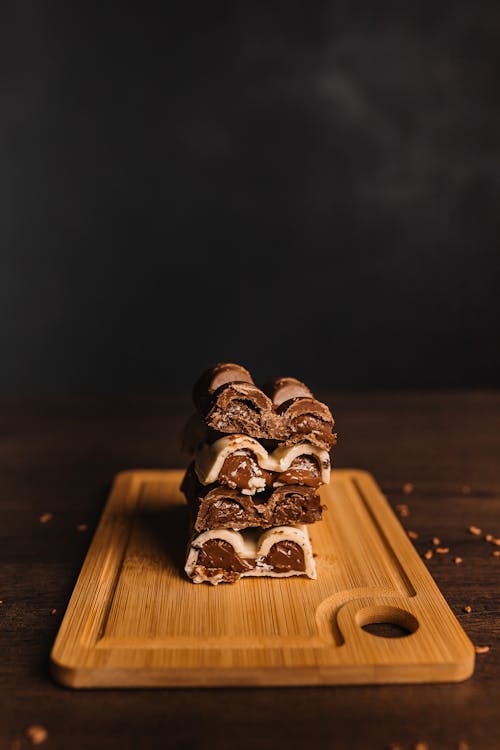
x=58, y=456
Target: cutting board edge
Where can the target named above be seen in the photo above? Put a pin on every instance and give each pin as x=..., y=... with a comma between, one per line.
x=78, y=676
x=81, y=678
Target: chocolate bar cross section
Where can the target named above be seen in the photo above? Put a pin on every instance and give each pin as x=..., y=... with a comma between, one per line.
x=216, y=506
x=292, y=414
x=225, y=556
x=259, y=457
x=241, y=462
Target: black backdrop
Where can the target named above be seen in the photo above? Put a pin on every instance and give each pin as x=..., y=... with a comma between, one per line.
x=308, y=188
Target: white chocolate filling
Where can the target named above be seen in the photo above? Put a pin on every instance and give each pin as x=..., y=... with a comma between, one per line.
x=251, y=545
x=209, y=459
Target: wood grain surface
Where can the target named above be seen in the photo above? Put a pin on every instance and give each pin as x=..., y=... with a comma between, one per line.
x=58, y=456
x=134, y=620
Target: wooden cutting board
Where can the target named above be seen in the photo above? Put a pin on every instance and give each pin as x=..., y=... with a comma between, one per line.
x=135, y=620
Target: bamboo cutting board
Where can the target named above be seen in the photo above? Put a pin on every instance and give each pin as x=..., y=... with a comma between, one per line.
x=134, y=620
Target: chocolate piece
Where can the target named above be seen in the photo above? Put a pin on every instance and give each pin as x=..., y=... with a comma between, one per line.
x=224, y=556
x=214, y=378
x=234, y=460
x=241, y=471
x=229, y=402
x=283, y=389
x=215, y=506
x=286, y=555
x=308, y=419
x=303, y=470
x=293, y=503
x=216, y=553
x=210, y=460
x=242, y=407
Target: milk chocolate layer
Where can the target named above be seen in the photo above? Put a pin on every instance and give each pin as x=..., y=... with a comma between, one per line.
x=216, y=553
x=307, y=419
x=214, y=378
x=286, y=555
x=283, y=389
x=224, y=556
x=242, y=407
x=303, y=470
x=282, y=557
x=215, y=506
x=229, y=402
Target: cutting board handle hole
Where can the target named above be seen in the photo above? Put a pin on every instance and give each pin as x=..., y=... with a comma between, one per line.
x=386, y=622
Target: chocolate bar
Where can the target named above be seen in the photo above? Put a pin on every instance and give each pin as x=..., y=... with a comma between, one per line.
x=283, y=389
x=216, y=506
x=307, y=419
x=259, y=457
x=238, y=406
x=241, y=462
x=213, y=378
x=225, y=556
x=242, y=407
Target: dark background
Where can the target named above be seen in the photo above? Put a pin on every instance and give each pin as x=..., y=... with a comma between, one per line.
x=308, y=188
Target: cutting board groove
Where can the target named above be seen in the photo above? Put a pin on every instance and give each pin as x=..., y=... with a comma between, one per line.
x=134, y=620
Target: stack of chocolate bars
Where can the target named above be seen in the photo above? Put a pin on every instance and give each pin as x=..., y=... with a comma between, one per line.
x=259, y=457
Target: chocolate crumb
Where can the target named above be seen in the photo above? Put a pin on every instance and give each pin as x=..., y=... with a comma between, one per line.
x=45, y=517
x=457, y=560
x=428, y=554
x=468, y=609
x=481, y=649
x=436, y=541
x=475, y=530
x=408, y=488
x=82, y=527
x=36, y=734
x=442, y=550
x=53, y=611
x=489, y=537
x=412, y=534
